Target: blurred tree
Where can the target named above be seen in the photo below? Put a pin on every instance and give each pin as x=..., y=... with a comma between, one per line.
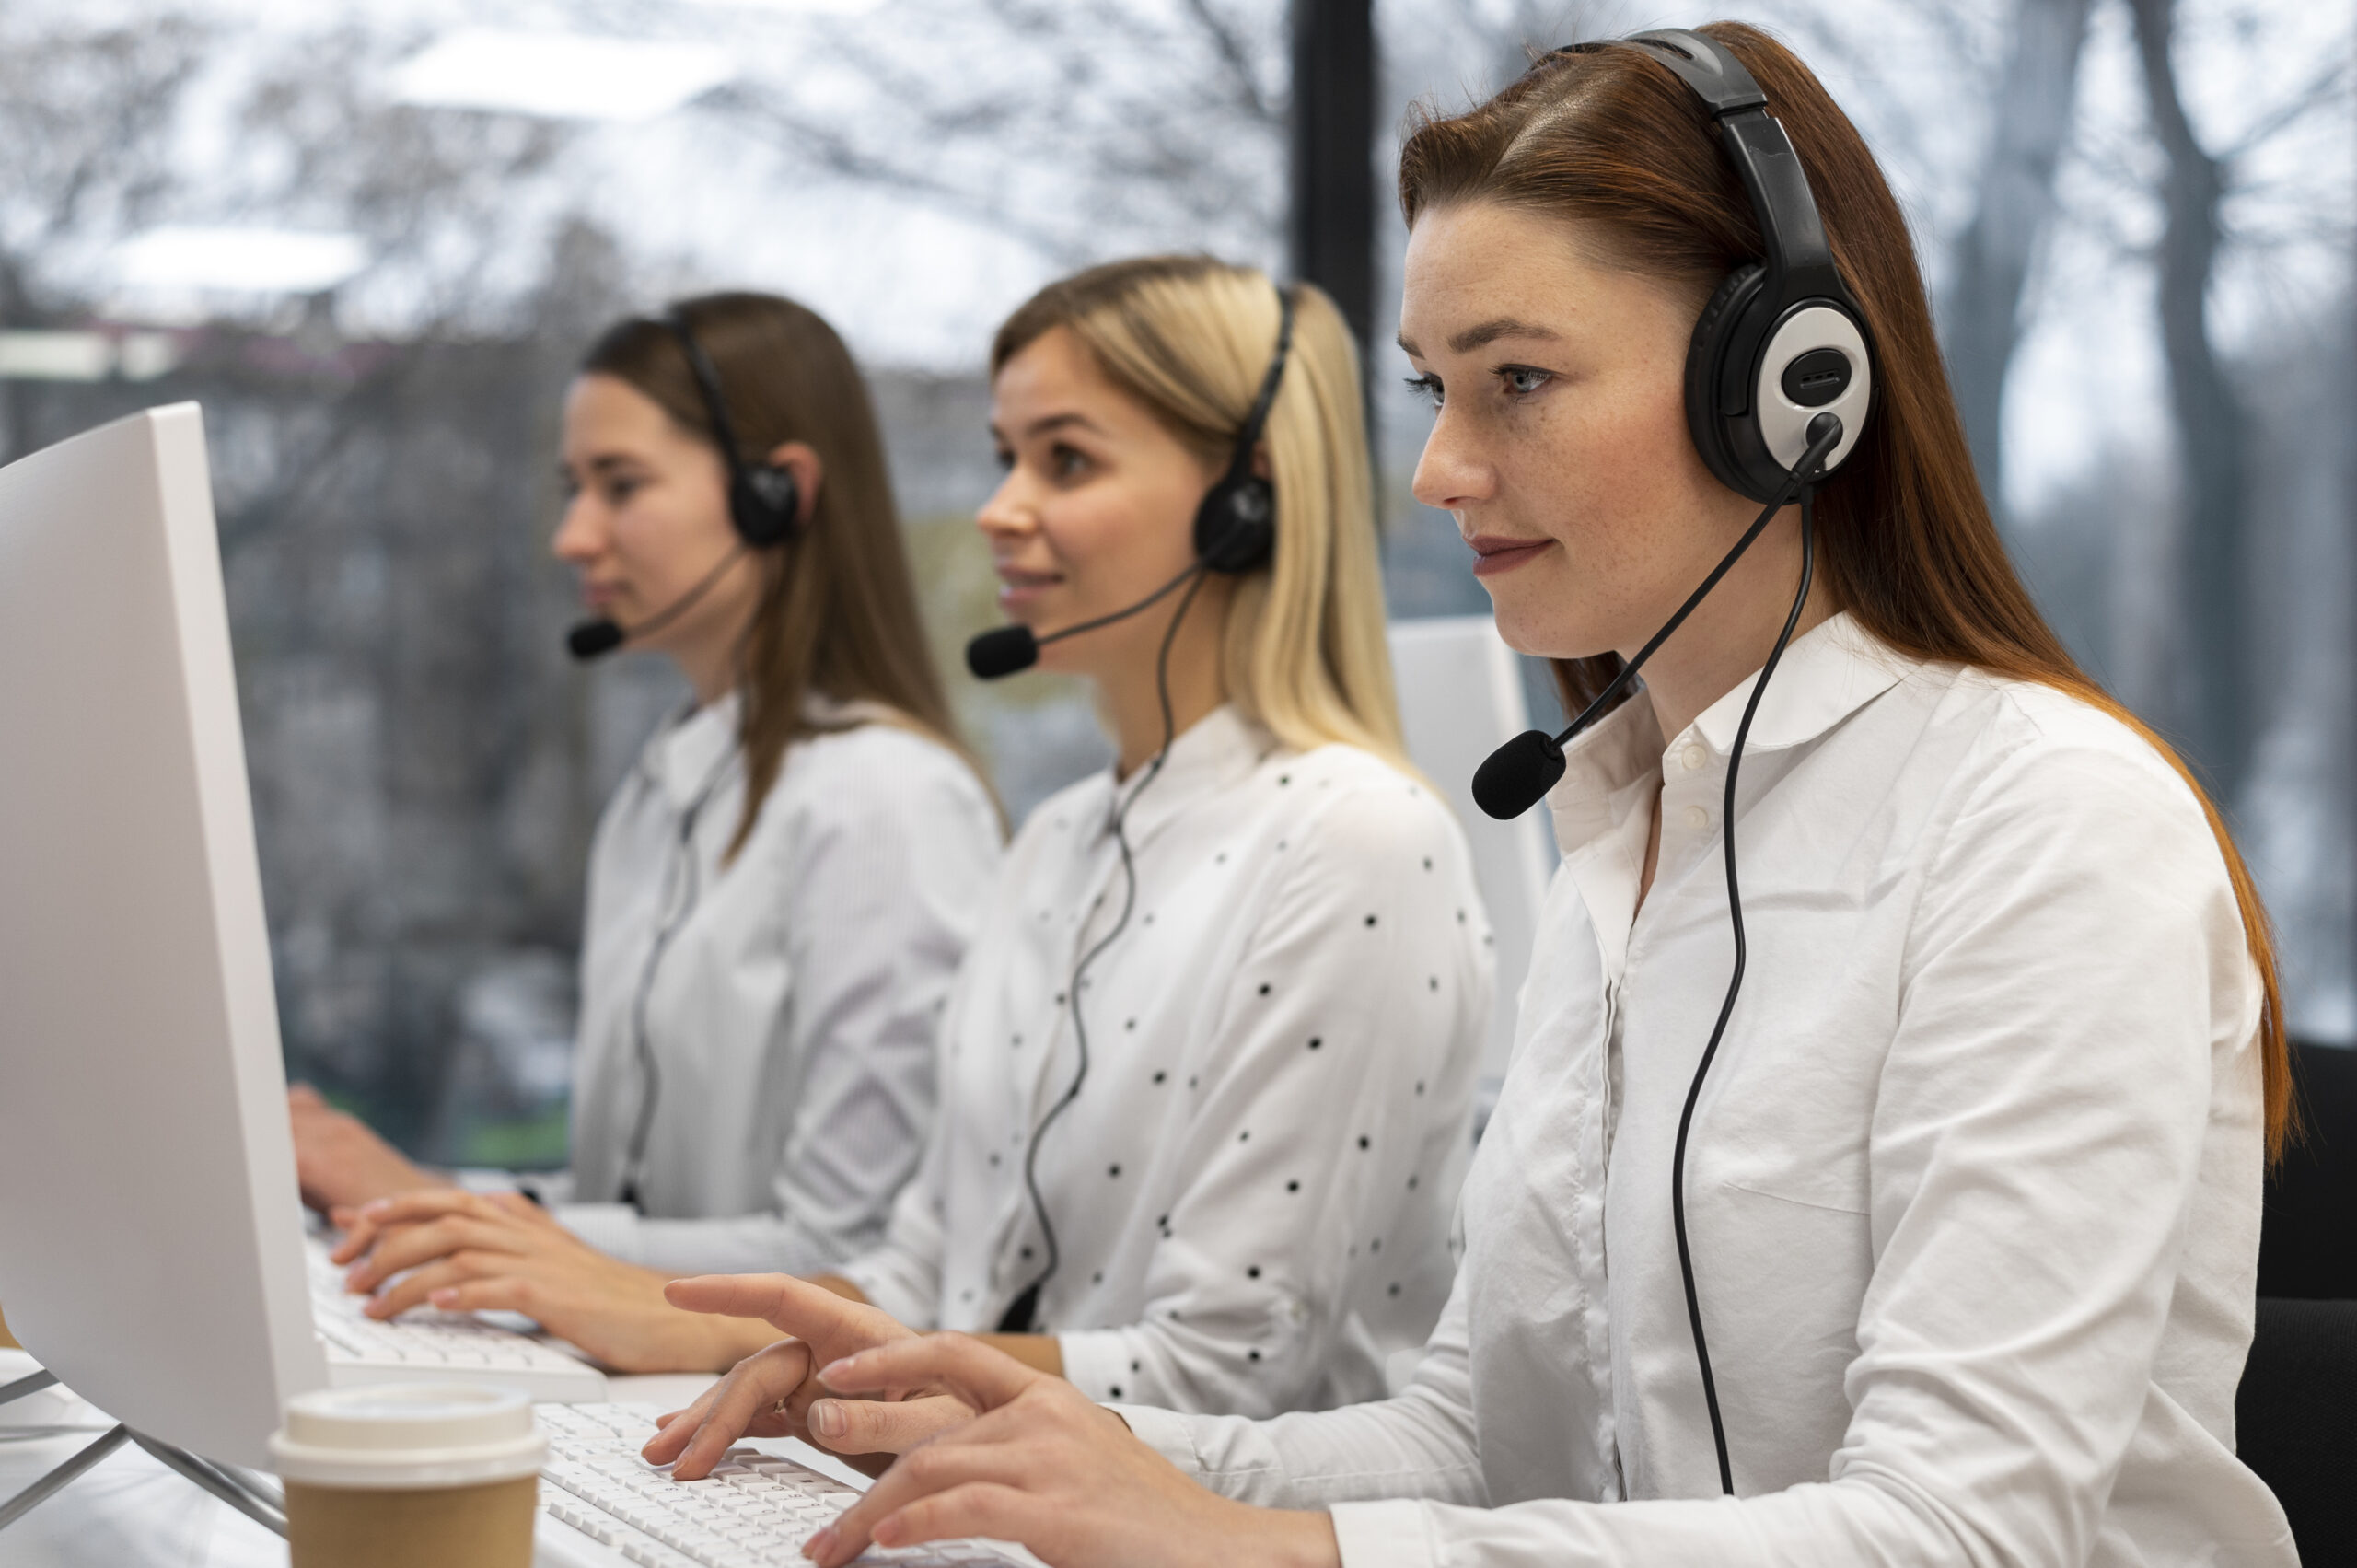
x=2214, y=572
x=1983, y=315
x=1085, y=128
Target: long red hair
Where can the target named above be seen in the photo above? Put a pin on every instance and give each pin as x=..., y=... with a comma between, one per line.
x=1611, y=139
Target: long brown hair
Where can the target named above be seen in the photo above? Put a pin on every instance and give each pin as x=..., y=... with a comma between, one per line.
x=837, y=611
x=1190, y=337
x=1610, y=139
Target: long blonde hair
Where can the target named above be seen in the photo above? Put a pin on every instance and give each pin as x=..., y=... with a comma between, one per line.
x=1190, y=337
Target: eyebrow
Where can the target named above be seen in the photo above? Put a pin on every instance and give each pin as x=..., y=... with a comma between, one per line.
x=1041, y=427
x=1489, y=331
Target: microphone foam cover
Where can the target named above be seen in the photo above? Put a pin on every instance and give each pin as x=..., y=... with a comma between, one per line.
x=594, y=639
x=1002, y=650
x=1511, y=780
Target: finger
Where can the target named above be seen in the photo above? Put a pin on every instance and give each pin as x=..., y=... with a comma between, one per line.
x=303, y=1096
x=976, y=1508
x=925, y=1473
x=500, y=1292
x=876, y=1426
x=359, y=1234
x=398, y=1248
x=797, y=1307
x=425, y=1203
x=980, y=1376
x=750, y=1391
x=413, y=1289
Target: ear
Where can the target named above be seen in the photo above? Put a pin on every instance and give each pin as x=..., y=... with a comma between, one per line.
x=801, y=459
x=1263, y=467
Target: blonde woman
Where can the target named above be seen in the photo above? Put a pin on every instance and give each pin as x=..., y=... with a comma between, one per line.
x=1205, y=1071
x=783, y=886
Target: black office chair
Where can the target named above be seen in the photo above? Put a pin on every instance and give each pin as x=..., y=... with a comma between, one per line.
x=2295, y=1419
x=2296, y=1415
x=2307, y=1246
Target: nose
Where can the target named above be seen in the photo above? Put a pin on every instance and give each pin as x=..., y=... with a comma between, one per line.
x=1009, y=514
x=1451, y=472
x=581, y=533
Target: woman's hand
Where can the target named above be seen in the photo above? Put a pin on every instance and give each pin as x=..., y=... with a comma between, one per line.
x=772, y=1393
x=472, y=1252
x=339, y=1163
x=1042, y=1465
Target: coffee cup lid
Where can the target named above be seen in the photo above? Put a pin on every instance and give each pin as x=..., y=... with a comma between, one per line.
x=408, y=1437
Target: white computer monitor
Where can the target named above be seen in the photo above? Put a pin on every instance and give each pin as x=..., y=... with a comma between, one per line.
x=150, y=1234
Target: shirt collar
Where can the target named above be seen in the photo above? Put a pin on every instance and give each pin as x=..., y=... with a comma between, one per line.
x=1825, y=676
x=1216, y=752
x=689, y=754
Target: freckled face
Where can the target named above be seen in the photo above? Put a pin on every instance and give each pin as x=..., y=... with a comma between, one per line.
x=1559, y=438
x=1097, y=509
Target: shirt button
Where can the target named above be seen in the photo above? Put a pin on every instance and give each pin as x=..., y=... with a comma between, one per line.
x=1697, y=818
x=1694, y=757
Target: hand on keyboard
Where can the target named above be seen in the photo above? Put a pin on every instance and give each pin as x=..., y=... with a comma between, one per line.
x=769, y=1394
x=474, y=1253
x=1042, y=1465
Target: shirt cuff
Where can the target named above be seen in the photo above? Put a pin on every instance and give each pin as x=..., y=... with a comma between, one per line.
x=1391, y=1534
x=1168, y=1433
x=612, y=1228
x=1101, y=1363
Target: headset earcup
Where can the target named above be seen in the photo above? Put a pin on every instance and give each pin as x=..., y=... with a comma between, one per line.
x=765, y=504
x=1236, y=526
x=1716, y=332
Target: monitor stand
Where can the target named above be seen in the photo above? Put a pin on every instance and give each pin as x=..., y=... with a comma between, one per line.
x=249, y=1495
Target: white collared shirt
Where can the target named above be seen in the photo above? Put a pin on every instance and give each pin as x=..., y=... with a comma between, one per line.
x=1252, y=1191
x=1973, y=1188
x=793, y=1003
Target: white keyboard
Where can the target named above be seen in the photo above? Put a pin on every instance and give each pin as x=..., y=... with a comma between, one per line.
x=602, y=1505
x=435, y=1346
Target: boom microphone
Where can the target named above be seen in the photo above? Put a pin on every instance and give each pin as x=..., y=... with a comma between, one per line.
x=1511, y=780
x=1003, y=650
x=595, y=639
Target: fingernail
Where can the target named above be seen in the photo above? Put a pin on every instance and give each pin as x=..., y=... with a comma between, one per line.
x=376, y=1205
x=819, y=1545
x=827, y=1420
x=444, y=1297
x=829, y=1373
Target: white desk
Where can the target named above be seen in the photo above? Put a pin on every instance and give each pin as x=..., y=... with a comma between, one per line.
x=130, y=1512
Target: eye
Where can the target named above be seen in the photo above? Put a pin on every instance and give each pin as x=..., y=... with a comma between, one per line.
x=620, y=489
x=1521, y=380
x=1005, y=458
x=1067, y=462
x=1426, y=389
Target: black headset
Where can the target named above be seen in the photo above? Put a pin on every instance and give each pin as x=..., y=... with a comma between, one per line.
x=1235, y=530
x=764, y=501
x=1236, y=526
x=1783, y=339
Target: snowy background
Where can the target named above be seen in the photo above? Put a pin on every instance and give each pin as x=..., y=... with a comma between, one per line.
x=373, y=237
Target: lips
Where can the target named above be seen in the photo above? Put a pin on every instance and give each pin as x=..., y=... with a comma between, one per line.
x=1016, y=586
x=1496, y=552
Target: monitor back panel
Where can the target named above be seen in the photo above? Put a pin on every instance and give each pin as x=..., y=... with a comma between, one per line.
x=150, y=1236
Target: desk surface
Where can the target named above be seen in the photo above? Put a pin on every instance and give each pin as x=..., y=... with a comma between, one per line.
x=130, y=1512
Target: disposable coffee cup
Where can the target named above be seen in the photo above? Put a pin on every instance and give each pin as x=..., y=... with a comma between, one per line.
x=410, y=1475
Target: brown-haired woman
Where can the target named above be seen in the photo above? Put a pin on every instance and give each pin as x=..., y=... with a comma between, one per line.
x=1972, y=1191
x=780, y=889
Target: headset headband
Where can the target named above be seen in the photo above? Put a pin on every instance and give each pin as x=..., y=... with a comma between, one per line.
x=1799, y=260
x=1240, y=464
x=707, y=379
